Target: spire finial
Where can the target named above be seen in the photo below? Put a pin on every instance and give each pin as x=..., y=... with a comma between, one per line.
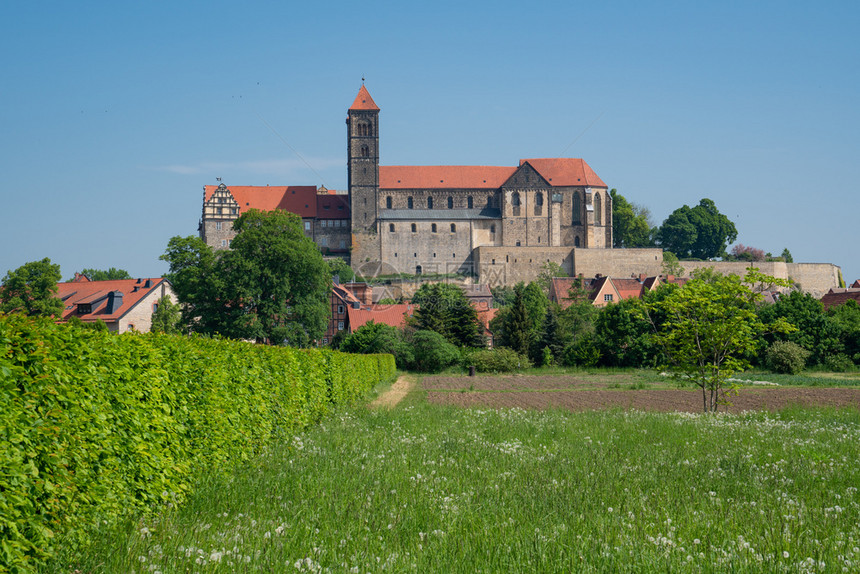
x=362, y=80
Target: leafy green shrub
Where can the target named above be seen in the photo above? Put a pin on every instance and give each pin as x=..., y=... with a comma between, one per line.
x=433, y=352
x=786, y=357
x=839, y=363
x=98, y=426
x=582, y=353
x=379, y=338
x=498, y=360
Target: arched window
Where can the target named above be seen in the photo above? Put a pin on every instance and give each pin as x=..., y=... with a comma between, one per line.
x=576, y=241
x=414, y=228
x=433, y=228
x=515, y=199
x=429, y=203
x=577, y=209
x=391, y=227
x=469, y=202
x=369, y=130
x=388, y=202
x=450, y=202
x=598, y=210
x=538, y=203
x=365, y=151
x=493, y=228
x=453, y=228
x=489, y=201
x=409, y=202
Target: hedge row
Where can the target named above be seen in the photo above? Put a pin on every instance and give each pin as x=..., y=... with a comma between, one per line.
x=96, y=426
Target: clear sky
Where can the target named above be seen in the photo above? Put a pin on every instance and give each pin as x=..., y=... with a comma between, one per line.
x=114, y=115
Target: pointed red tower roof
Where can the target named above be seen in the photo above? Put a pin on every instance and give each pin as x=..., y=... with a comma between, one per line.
x=363, y=101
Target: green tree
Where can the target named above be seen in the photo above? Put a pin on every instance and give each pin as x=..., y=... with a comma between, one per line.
x=701, y=232
x=710, y=329
x=623, y=335
x=445, y=309
x=816, y=332
x=105, y=275
x=433, y=352
x=31, y=289
x=786, y=256
x=630, y=224
x=671, y=265
x=338, y=266
x=379, y=338
x=513, y=327
x=549, y=270
x=166, y=317
x=271, y=286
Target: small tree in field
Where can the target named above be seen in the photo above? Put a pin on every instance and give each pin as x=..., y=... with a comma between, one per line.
x=710, y=328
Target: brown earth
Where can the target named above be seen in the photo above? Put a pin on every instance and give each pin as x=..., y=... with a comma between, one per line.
x=394, y=395
x=561, y=392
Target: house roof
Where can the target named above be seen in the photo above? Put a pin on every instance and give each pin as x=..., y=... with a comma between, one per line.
x=443, y=176
x=856, y=284
x=559, y=172
x=565, y=171
x=300, y=199
x=560, y=287
x=333, y=206
x=95, y=293
x=834, y=299
x=363, y=101
x=393, y=315
x=628, y=288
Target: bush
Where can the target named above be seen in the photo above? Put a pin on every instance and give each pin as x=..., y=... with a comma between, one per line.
x=373, y=338
x=498, y=360
x=786, y=357
x=433, y=352
x=839, y=363
x=581, y=353
x=97, y=426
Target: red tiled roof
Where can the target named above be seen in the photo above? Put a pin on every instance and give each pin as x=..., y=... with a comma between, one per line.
x=560, y=288
x=394, y=315
x=628, y=288
x=856, y=284
x=833, y=299
x=327, y=206
x=565, y=171
x=363, y=101
x=301, y=199
x=443, y=176
x=96, y=293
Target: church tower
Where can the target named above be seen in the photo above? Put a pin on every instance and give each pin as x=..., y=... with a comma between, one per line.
x=362, y=136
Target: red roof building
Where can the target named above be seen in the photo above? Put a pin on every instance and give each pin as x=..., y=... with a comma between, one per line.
x=123, y=304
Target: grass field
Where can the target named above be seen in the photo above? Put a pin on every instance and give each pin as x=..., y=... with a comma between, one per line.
x=423, y=488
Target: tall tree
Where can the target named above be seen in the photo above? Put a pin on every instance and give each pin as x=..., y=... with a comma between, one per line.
x=710, y=329
x=31, y=289
x=630, y=223
x=271, y=286
x=701, y=232
x=445, y=309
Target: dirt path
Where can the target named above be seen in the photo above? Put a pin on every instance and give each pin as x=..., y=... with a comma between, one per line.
x=394, y=395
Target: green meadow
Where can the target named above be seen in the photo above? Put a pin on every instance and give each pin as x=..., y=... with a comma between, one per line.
x=422, y=488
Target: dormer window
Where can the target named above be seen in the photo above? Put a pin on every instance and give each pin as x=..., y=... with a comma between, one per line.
x=84, y=308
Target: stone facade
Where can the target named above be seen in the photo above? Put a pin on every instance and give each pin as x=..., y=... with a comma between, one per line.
x=434, y=219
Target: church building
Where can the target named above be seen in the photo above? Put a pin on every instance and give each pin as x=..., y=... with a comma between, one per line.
x=473, y=220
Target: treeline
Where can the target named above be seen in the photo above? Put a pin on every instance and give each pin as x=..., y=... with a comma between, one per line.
x=98, y=426
x=529, y=330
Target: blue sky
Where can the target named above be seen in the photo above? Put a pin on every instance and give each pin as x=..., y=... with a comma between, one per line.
x=113, y=115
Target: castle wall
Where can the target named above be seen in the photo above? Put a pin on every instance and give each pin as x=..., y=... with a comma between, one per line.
x=618, y=262
x=503, y=266
x=813, y=278
x=442, y=251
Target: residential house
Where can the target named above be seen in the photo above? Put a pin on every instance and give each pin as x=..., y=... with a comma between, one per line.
x=122, y=304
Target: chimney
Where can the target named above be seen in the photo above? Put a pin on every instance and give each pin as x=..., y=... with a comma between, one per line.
x=641, y=277
x=670, y=278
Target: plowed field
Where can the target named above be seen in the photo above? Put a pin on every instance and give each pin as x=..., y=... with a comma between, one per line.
x=594, y=392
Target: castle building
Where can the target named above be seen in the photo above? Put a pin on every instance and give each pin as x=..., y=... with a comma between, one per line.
x=432, y=219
